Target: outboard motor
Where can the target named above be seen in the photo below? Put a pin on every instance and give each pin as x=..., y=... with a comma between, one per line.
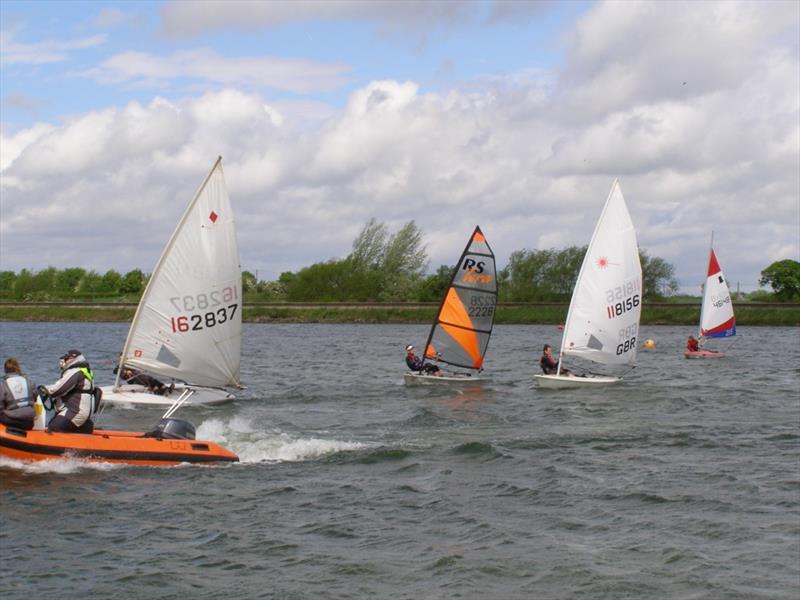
x=173, y=429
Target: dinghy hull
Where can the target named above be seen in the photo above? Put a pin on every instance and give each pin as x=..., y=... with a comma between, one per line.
x=137, y=395
x=702, y=354
x=561, y=382
x=412, y=378
x=126, y=447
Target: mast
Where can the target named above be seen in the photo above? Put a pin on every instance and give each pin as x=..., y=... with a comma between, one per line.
x=705, y=288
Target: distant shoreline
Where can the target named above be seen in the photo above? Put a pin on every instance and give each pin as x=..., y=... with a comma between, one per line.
x=654, y=313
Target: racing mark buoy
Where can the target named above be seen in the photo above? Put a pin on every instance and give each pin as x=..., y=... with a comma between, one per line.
x=649, y=344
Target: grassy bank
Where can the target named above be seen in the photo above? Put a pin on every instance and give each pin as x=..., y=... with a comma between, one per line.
x=653, y=313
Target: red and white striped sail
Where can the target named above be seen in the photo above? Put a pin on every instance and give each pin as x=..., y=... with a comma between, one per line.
x=716, y=314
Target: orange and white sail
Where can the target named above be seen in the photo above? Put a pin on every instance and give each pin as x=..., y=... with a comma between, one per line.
x=463, y=326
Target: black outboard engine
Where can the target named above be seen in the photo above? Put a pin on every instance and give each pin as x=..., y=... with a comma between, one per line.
x=173, y=429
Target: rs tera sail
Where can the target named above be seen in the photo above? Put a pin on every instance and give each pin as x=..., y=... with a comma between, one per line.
x=460, y=334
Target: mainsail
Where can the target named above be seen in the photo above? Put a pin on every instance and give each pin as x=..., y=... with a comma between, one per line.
x=188, y=325
x=463, y=325
x=603, y=320
x=716, y=314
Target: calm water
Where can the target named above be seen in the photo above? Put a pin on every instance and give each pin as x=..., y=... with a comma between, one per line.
x=684, y=482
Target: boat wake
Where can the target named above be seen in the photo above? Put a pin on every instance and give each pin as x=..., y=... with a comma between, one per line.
x=62, y=466
x=255, y=446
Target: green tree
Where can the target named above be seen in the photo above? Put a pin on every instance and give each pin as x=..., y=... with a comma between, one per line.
x=91, y=283
x=132, y=282
x=433, y=287
x=783, y=277
x=111, y=282
x=7, y=279
x=43, y=282
x=67, y=281
x=369, y=246
x=249, y=282
x=24, y=284
x=658, y=276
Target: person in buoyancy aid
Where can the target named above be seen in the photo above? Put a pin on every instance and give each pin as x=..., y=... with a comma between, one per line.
x=17, y=395
x=74, y=396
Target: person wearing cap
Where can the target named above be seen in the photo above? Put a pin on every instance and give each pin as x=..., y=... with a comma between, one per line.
x=415, y=363
x=17, y=395
x=73, y=395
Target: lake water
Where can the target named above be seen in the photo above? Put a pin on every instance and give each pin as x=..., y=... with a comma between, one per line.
x=682, y=482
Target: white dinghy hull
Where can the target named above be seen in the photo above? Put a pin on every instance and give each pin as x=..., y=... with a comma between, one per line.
x=563, y=382
x=413, y=378
x=128, y=395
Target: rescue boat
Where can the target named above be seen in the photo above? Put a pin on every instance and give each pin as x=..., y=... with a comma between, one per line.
x=171, y=443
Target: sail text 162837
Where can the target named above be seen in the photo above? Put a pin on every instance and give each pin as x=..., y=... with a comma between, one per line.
x=189, y=322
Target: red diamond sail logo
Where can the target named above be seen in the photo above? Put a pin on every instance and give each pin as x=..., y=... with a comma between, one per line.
x=213, y=216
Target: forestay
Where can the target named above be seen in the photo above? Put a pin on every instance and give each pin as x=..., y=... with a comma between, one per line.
x=188, y=325
x=460, y=334
x=716, y=314
x=603, y=320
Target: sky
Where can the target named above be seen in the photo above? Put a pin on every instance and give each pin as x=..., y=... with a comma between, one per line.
x=516, y=116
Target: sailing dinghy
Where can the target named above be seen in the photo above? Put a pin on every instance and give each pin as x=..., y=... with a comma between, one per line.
x=716, y=312
x=188, y=326
x=603, y=319
x=460, y=333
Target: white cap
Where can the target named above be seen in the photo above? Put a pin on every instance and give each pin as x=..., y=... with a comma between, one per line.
x=409, y=347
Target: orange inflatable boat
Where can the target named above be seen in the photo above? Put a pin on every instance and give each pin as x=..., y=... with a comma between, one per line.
x=162, y=447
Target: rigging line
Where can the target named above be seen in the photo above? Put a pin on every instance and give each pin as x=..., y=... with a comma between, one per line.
x=449, y=324
x=461, y=286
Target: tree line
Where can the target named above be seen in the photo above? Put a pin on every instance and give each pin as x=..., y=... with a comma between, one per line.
x=385, y=266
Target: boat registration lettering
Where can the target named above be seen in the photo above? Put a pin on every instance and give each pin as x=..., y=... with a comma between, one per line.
x=173, y=445
x=627, y=338
x=622, y=291
x=202, y=301
x=481, y=306
x=620, y=308
x=184, y=323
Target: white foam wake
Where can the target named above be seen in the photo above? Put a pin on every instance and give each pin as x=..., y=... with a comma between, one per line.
x=57, y=465
x=254, y=446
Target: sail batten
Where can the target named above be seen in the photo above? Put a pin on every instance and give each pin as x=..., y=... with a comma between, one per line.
x=603, y=319
x=463, y=326
x=188, y=324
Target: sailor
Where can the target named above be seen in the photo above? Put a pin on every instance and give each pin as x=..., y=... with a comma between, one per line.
x=17, y=395
x=74, y=395
x=415, y=363
x=549, y=364
x=692, y=345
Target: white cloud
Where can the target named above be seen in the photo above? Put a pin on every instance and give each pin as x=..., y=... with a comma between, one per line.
x=530, y=158
x=48, y=51
x=296, y=75
x=193, y=17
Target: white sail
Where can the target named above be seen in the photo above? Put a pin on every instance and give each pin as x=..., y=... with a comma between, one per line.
x=603, y=320
x=716, y=314
x=188, y=325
